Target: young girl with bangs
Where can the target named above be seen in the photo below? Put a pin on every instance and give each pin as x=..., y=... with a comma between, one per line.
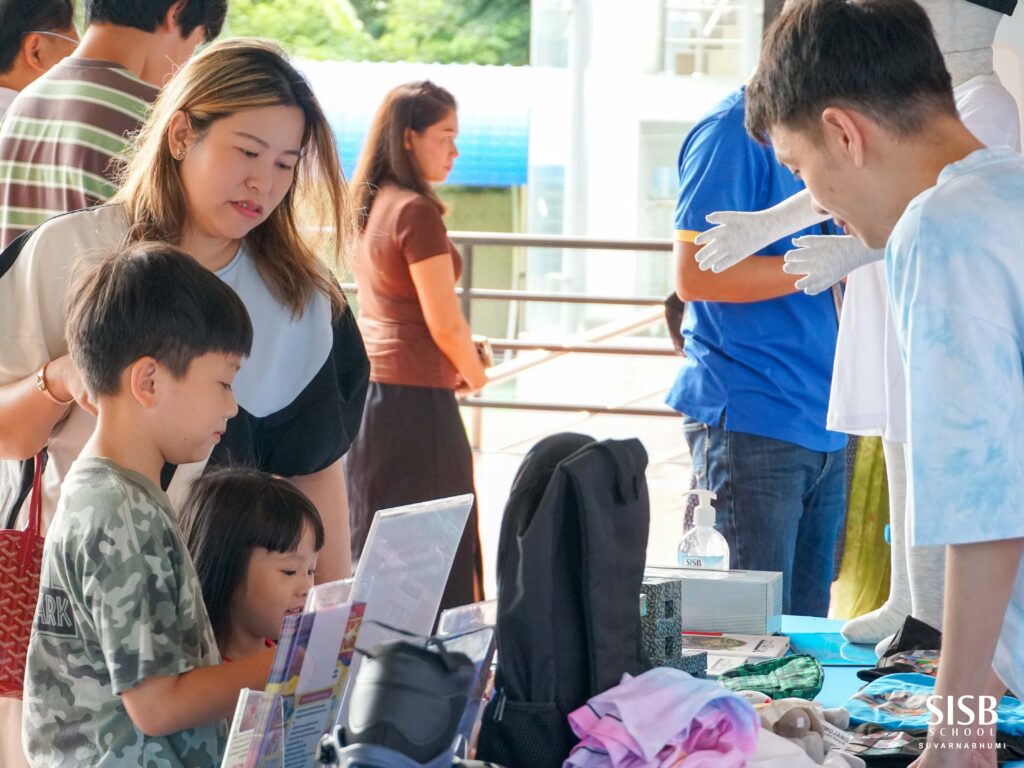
x=254, y=539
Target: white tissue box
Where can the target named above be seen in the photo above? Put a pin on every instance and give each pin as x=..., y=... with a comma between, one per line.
x=739, y=602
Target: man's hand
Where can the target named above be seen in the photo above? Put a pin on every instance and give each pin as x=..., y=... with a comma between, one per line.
x=824, y=260
x=674, y=310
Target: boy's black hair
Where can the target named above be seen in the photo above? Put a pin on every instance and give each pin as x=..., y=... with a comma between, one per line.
x=878, y=57
x=147, y=14
x=18, y=17
x=228, y=513
x=150, y=299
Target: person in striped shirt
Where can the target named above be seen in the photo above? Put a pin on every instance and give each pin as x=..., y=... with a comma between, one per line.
x=60, y=134
x=33, y=37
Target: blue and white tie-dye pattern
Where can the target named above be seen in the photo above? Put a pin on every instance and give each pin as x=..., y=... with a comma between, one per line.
x=955, y=265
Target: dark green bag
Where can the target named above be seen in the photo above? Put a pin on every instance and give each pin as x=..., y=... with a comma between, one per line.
x=799, y=676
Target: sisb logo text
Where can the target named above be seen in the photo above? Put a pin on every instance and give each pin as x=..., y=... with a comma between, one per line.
x=986, y=710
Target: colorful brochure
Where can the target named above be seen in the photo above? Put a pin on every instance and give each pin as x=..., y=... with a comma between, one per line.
x=256, y=738
x=399, y=582
x=311, y=667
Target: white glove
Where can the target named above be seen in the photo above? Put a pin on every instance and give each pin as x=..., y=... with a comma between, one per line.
x=739, y=234
x=824, y=260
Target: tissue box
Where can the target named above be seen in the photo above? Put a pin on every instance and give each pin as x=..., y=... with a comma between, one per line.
x=738, y=602
x=660, y=624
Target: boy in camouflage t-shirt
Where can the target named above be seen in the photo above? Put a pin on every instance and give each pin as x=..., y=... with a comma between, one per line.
x=123, y=668
x=125, y=606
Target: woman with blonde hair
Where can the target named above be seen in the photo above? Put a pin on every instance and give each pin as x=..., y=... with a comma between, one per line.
x=413, y=445
x=235, y=165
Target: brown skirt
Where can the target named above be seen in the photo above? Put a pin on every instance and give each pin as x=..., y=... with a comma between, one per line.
x=412, y=447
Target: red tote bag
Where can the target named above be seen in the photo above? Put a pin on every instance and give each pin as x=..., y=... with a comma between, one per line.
x=21, y=560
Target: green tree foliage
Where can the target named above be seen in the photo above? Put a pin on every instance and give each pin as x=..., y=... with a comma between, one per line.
x=447, y=31
x=312, y=29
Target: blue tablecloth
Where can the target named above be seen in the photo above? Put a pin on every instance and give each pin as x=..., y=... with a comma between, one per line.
x=841, y=682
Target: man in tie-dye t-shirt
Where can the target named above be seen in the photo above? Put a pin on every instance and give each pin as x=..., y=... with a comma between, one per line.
x=856, y=99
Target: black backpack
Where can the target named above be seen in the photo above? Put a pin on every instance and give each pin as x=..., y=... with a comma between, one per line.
x=570, y=566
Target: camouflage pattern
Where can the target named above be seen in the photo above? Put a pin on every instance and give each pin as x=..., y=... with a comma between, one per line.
x=119, y=602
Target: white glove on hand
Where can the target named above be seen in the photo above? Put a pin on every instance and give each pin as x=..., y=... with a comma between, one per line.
x=824, y=260
x=739, y=235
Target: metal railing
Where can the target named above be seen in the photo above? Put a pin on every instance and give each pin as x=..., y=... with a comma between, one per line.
x=539, y=352
x=468, y=241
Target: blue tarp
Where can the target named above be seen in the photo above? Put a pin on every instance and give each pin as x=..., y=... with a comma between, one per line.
x=494, y=112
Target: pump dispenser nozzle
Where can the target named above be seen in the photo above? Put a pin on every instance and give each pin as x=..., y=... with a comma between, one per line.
x=704, y=514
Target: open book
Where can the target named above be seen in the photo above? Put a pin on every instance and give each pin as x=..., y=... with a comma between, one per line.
x=726, y=652
x=750, y=647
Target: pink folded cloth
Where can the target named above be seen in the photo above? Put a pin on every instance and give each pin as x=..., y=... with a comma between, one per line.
x=663, y=717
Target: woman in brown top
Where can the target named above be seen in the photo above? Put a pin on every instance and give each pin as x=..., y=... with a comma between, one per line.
x=412, y=446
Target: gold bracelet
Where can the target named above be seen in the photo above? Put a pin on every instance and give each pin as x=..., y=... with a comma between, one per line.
x=41, y=386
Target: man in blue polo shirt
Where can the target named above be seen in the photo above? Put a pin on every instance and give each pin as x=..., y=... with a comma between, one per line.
x=754, y=387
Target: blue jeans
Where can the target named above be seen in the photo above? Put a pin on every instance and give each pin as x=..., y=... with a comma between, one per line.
x=779, y=506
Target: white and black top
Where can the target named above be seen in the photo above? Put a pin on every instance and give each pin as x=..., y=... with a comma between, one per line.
x=300, y=392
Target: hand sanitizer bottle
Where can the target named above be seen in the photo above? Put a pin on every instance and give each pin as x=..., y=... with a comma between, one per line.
x=702, y=546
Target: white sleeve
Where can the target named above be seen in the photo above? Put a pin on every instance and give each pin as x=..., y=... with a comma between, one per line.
x=32, y=291
x=34, y=280
x=990, y=112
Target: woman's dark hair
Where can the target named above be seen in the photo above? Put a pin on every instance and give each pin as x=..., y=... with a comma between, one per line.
x=228, y=513
x=879, y=57
x=385, y=160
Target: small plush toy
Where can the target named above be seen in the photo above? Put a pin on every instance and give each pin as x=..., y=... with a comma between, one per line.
x=802, y=722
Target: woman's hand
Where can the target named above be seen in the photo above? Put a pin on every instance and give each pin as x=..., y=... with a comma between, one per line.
x=475, y=381
x=464, y=388
x=28, y=417
x=65, y=382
